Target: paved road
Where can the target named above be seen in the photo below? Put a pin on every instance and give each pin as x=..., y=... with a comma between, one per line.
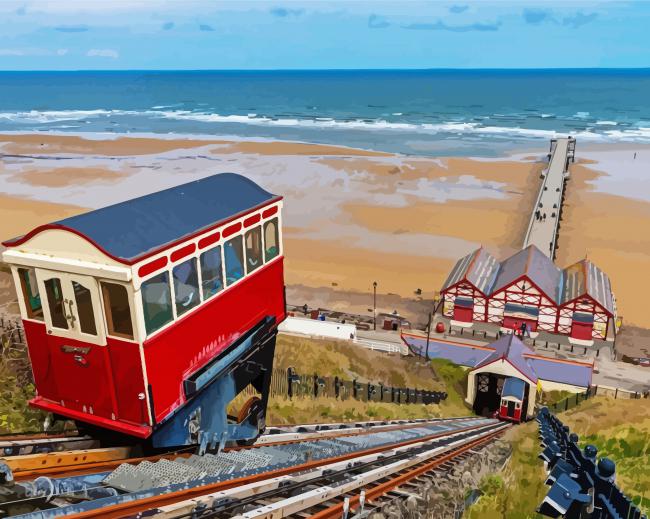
x=543, y=232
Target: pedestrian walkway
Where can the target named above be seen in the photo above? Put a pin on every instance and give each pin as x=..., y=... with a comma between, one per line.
x=545, y=218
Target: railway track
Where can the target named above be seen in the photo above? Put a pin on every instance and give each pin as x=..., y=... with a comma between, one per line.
x=284, y=460
x=79, y=460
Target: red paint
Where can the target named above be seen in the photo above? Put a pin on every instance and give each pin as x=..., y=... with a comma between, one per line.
x=252, y=220
x=182, y=252
x=152, y=266
x=209, y=240
x=126, y=368
x=463, y=314
x=515, y=416
x=582, y=331
x=207, y=331
x=228, y=231
x=270, y=211
x=133, y=430
x=72, y=376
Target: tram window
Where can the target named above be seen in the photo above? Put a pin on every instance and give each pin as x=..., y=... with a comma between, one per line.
x=55, y=303
x=253, y=249
x=211, y=272
x=83, y=298
x=118, y=310
x=234, y=256
x=156, y=302
x=186, y=286
x=271, y=241
x=31, y=294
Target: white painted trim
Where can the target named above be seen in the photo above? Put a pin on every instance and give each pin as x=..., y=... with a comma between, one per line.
x=84, y=268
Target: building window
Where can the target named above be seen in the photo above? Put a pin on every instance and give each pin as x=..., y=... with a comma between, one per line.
x=234, y=258
x=83, y=298
x=156, y=302
x=271, y=240
x=253, y=249
x=186, y=286
x=118, y=310
x=55, y=303
x=211, y=272
x=31, y=295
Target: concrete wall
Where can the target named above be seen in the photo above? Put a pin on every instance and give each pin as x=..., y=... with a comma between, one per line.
x=314, y=327
x=548, y=385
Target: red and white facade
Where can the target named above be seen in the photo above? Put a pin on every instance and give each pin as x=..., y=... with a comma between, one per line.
x=528, y=289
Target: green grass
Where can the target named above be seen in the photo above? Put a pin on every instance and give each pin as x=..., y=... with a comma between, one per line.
x=16, y=388
x=620, y=429
x=519, y=490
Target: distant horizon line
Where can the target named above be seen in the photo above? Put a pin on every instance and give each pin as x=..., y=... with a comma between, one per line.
x=431, y=69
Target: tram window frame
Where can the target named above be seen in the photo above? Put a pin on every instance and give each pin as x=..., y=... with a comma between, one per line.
x=28, y=281
x=85, y=308
x=193, y=282
x=208, y=280
x=56, y=303
x=161, y=278
x=109, y=313
x=276, y=236
x=238, y=242
x=255, y=237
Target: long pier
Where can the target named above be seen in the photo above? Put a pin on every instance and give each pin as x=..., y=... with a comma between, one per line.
x=545, y=218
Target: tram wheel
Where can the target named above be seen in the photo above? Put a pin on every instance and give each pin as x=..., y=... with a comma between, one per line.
x=250, y=410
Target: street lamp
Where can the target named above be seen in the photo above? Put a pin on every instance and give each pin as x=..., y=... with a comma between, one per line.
x=374, y=305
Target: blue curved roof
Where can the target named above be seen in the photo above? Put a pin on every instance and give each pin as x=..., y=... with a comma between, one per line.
x=145, y=224
x=513, y=387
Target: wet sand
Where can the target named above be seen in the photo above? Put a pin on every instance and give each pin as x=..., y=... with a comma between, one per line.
x=351, y=216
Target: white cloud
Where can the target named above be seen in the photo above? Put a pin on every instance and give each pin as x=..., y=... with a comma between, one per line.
x=103, y=53
x=33, y=52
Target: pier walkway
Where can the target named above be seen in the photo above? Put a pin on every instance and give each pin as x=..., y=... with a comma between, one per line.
x=545, y=218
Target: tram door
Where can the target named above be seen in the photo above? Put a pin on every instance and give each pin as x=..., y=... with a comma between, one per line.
x=75, y=341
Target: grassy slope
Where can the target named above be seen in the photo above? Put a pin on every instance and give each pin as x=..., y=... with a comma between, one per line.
x=325, y=357
x=619, y=428
x=328, y=357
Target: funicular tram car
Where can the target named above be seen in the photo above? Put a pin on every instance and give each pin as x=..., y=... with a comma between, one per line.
x=146, y=318
x=512, y=400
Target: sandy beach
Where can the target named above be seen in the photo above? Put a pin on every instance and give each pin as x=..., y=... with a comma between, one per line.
x=351, y=216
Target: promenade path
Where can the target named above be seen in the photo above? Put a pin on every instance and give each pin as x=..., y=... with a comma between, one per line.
x=545, y=218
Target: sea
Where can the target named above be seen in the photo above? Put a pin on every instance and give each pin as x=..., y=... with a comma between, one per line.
x=414, y=112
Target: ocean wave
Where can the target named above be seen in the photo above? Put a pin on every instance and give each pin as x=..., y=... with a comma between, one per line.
x=597, y=132
x=53, y=116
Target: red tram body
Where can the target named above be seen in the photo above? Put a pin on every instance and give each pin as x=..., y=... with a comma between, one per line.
x=148, y=317
x=512, y=400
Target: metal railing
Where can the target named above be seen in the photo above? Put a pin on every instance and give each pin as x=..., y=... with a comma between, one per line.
x=290, y=384
x=581, y=486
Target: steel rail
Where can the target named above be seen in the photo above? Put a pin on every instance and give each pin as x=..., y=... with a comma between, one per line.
x=141, y=505
x=80, y=463
x=393, y=483
x=229, y=502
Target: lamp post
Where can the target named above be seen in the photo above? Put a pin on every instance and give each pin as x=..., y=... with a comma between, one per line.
x=374, y=305
x=429, y=333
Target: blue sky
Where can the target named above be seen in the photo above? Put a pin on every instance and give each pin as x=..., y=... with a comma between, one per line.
x=201, y=34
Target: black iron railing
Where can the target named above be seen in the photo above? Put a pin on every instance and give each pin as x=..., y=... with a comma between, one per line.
x=581, y=485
